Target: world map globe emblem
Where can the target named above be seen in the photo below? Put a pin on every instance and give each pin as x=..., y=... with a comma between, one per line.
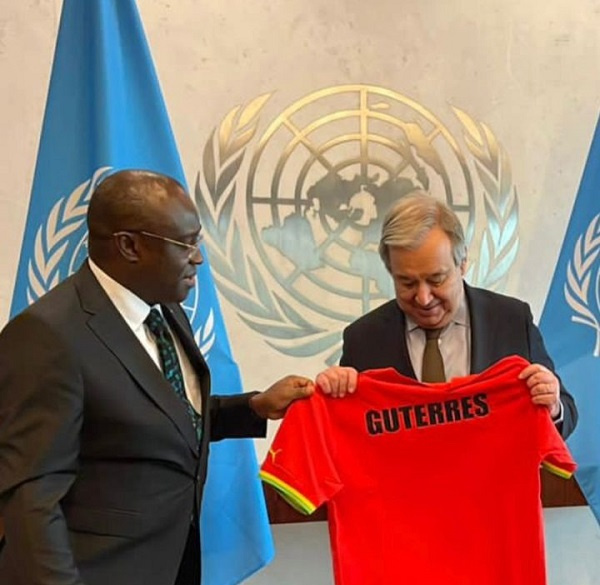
x=324, y=174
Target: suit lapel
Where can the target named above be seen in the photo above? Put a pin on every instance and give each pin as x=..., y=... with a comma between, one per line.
x=482, y=343
x=112, y=330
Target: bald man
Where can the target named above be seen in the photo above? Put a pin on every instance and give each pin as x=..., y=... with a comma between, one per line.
x=105, y=407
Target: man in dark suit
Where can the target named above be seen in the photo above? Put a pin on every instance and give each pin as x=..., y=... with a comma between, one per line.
x=423, y=247
x=103, y=455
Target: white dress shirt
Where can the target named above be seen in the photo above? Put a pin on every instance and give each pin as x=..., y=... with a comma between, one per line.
x=134, y=312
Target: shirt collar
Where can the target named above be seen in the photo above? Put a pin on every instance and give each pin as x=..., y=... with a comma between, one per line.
x=133, y=309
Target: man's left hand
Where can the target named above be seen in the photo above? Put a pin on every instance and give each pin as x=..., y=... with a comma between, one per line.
x=273, y=402
x=544, y=387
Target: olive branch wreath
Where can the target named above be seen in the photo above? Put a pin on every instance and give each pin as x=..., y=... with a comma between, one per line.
x=500, y=239
x=579, y=276
x=51, y=239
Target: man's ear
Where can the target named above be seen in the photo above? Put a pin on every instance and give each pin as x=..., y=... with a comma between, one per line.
x=463, y=266
x=128, y=246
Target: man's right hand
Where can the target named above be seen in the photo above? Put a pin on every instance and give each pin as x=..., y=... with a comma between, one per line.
x=273, y=403
x=337, y=381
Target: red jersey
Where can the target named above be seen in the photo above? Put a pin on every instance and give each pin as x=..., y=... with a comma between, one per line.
x=425, y=483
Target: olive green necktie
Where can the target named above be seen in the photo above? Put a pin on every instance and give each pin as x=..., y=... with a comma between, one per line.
x=433, y=364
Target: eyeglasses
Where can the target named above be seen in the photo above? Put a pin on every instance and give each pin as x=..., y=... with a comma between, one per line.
x=191, y=248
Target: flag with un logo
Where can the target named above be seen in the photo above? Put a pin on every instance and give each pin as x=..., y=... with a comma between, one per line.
x=105, y=112
x=571, y=323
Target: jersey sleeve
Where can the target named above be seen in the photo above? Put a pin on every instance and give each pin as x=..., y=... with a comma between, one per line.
x=300, y=465
x=554, y=453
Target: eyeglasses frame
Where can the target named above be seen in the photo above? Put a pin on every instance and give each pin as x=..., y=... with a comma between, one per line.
x=191, y=248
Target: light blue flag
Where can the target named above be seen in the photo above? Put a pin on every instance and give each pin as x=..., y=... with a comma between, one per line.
x=571, y=323
x=105, y=112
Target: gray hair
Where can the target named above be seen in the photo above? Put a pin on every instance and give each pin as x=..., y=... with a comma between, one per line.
x=409, y=221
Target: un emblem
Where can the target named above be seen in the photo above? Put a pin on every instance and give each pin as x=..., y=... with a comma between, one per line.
x=301, y=261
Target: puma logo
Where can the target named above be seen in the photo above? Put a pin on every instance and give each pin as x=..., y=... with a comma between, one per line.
x=274, y=454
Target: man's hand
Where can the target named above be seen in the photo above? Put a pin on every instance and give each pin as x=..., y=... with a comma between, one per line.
x=273, y=402
x=544, y=387
x=337, y=381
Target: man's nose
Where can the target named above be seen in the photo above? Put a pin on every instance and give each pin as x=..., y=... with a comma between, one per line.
x=423, y=295
x=196, y=256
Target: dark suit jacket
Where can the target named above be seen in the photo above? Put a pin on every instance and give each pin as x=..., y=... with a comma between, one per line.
x=100, y=471
x=500, y=326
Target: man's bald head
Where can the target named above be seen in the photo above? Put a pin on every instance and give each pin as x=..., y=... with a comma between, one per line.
x=141, y=227
x=129, y=200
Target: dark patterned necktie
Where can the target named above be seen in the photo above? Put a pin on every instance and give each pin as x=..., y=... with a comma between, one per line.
x=433, y=364
x=170, y=363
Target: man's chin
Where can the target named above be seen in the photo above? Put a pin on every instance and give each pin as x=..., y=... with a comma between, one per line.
x=186, y=289
x=189, y=282
x=433, y=321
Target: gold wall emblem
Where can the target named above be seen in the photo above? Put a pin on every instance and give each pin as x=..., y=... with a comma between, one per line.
x=318, y=182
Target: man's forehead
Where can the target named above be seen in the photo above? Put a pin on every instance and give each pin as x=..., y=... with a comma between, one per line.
x=422, y=274
x=178, y=214
x=194, y=234
x=419, y=265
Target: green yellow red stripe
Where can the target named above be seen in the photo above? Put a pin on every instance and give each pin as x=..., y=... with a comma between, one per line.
x=557, y=470
x=289, y=494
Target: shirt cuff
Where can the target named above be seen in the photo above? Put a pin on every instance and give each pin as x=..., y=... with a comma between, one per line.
x=558, y=419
